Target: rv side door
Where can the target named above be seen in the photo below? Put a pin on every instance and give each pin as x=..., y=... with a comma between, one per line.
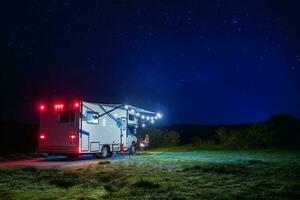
x=123, y=129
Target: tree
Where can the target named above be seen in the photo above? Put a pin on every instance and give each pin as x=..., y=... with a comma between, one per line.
x=222, y=136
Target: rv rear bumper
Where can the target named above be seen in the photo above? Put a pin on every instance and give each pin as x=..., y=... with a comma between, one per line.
x=59, y=149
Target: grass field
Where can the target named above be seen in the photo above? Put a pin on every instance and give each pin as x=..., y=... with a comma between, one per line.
x=173, y=173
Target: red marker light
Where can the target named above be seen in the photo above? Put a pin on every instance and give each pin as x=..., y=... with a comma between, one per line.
x=76, y=105
x=42, y=137
x=42, y=107
x=59, y=106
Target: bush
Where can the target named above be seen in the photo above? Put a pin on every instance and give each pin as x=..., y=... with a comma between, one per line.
x=222, y=135
x=171, y=138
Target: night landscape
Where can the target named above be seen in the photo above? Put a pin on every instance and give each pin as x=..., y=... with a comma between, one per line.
x=130, y=99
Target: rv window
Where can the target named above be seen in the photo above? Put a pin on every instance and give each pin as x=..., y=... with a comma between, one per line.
x=131, y=117
x=92, y=117
x=66, y=116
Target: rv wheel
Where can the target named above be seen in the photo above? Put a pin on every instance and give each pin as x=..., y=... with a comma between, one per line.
x=105, y=152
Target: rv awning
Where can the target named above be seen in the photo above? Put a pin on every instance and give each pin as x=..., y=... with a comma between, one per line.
x=129, y=107
x=140, y=110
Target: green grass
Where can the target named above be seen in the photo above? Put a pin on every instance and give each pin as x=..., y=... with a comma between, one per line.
x=191, y=147
x=170, y=174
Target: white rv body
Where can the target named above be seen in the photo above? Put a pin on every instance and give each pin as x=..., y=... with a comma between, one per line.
x=105, y=130
x=89, y=128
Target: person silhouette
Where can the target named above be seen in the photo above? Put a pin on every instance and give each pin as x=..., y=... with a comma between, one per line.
x=146, y=141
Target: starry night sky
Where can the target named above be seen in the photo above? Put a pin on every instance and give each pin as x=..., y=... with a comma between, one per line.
x=206, y=62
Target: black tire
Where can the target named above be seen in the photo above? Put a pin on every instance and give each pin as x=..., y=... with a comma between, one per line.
x=110, y=154
x=105, y=152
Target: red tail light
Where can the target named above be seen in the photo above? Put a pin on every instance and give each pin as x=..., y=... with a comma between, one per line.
x=42, y=136
x=72, y=138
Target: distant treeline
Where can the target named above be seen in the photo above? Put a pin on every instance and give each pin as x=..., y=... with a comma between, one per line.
x=281, y=130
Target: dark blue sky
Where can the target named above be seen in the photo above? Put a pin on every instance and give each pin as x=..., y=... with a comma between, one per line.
x=207, y=62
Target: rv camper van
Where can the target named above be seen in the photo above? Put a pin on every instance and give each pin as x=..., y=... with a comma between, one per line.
x=82, y=127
